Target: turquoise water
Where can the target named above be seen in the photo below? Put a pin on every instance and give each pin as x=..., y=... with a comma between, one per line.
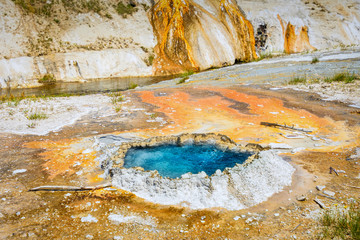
x=173, y=161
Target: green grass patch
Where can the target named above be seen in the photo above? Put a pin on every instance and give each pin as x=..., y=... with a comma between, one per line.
x=185, y=76
x=182, y=80
x=345, y=77
x=125, y=10
x=341, y=223
x=133, y=85
x=37, y=116
x=116, y=97
x=314, y=60
x=297, y=80
x=15, y=100
x=47, y=79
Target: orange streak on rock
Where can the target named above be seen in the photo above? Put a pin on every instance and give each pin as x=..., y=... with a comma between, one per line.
x=244, y=29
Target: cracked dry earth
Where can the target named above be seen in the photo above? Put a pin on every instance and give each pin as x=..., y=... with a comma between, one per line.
x=68, y=157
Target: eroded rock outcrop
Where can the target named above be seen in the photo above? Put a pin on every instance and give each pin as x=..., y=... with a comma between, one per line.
x=329, y=24
x=196, y=35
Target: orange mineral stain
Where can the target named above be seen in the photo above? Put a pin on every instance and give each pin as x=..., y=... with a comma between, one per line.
x=293, y=42
x=63, y=156
x=216, y=114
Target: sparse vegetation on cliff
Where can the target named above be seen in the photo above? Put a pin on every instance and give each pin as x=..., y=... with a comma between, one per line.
x=38, y=7
x=125, y=10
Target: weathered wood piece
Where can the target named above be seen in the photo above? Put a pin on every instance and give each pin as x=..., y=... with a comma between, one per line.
x=323, y=195
x=319, y=203
x=68, y=188
x=334, y=170
x=296, y=227
x=268, y=124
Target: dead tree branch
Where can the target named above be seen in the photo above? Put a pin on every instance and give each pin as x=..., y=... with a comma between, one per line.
x=268, y=124
x=68, y=188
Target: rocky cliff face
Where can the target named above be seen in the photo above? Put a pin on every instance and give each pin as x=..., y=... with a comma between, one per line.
x=197, y=35
x=327, y=24
x=86, y=39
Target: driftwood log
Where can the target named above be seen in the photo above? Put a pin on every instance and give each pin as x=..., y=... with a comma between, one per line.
x=268, y=124
x=68, y=188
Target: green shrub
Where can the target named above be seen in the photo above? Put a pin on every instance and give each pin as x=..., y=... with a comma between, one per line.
x=150, y=60
x=314, y=60
x=109, y=16
x=47, y=79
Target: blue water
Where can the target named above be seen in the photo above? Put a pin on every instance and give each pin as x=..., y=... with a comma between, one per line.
x=173, y=161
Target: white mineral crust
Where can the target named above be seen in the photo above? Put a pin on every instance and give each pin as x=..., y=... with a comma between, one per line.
x=235, y=188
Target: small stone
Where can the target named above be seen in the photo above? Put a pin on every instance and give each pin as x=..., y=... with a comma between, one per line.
x=276, y=214
x=236, y=218
x=301, y=198
x=329, y=193
x=320, y=188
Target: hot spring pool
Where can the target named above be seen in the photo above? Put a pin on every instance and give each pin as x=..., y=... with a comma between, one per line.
x=173, y=161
